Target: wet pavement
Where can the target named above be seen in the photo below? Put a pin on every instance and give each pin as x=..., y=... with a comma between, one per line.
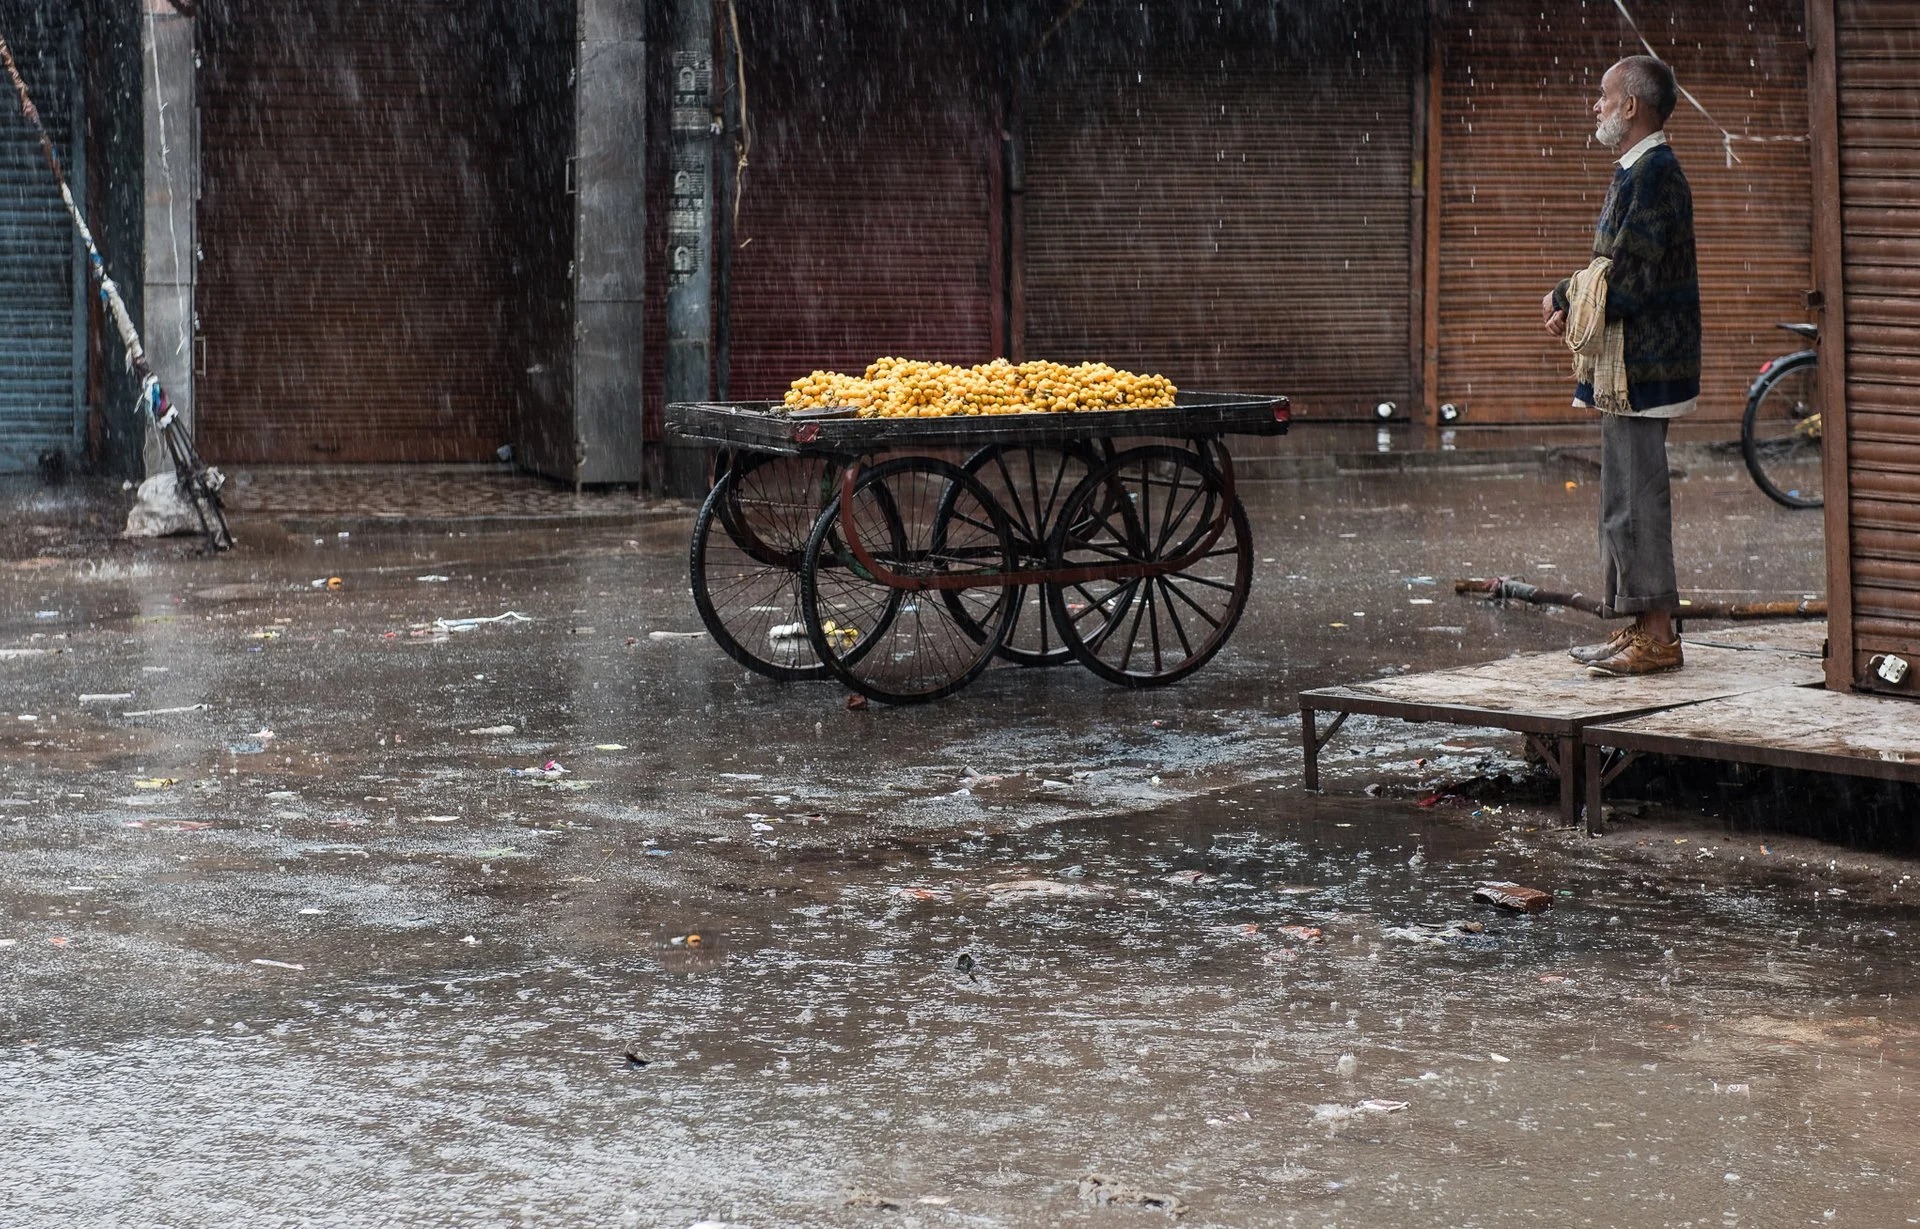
x=295, y=929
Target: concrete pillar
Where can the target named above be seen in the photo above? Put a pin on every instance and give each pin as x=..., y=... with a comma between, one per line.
x=610, y=210
x=172, y=174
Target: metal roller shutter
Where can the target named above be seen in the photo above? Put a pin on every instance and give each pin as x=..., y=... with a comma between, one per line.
x=356, y=283
x=1522, y=181
x=1231, y=211
x=1878, y=109
x=867, y=218
x=42, y=287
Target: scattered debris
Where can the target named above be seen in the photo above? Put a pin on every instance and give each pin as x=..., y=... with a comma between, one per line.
x=1513, y=896
x=159, y=511
x=1104, y=1190
x=609, y=746
x=1190, y=879
x=447, y=627
x=858, y=1198
x=155, y=783
x=549, y=771
x=489, y=731
x=1333, y=1117
x=1014, y=890
x=104, y=697
x=1469, y=935
x=856, y=701
x=968, y=965
x=281, y=964
x=1305, y=934
x=676, y=635
x=168, y=712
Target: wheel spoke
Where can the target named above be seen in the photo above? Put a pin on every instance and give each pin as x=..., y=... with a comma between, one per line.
x=1174, y=589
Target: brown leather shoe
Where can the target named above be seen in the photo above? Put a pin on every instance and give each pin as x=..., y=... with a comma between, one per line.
x=1641, y=655
x=1586, y=655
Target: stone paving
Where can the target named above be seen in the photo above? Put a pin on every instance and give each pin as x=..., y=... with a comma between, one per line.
x=422, y=492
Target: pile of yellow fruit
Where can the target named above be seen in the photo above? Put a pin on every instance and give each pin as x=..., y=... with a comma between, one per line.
x=907, y=388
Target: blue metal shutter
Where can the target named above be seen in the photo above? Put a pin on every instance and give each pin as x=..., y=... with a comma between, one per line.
x=42, y=287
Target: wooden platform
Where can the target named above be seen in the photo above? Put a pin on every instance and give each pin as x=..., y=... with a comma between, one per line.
x=1551, y=700
x=1811, y=729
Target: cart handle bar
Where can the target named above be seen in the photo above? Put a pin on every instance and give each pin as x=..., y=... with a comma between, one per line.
x=1043, y=576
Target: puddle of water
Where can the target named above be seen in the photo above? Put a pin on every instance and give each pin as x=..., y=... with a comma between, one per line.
x=1137, y=1006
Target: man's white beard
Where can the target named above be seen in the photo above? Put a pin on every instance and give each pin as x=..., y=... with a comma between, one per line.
x=1611, y=131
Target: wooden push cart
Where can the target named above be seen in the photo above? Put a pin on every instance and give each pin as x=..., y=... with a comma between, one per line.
x=901, y=556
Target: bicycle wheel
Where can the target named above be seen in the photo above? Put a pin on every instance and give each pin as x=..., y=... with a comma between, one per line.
x=1780, y=435
x=903, y=645
x=1153, y=504
x=1031, y=484
x=746, y=576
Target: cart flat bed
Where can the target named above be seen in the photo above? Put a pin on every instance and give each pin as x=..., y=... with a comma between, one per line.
x=1550, y=700
x=768, y=426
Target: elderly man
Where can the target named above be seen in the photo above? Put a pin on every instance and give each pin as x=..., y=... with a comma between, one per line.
x=1644, y=278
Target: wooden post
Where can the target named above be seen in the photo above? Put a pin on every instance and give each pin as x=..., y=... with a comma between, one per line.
x=1429, y=353
x=1829, y=270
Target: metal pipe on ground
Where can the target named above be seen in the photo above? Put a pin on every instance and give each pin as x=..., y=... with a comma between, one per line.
x=1499, y=588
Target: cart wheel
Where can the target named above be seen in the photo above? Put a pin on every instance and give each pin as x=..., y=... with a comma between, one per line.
x=1151, y=504
x=905, y=645
x=744, y=564
x=773, y=500
x=1030, y=483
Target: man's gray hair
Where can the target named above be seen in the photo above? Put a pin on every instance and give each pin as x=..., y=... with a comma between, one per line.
x=1652, y=82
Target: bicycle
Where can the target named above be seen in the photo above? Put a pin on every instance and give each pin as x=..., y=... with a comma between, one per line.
x=1780, y=433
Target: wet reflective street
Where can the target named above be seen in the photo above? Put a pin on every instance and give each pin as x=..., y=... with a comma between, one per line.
x=339, y=905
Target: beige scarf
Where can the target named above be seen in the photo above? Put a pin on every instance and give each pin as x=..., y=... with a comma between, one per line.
x=1598, y=347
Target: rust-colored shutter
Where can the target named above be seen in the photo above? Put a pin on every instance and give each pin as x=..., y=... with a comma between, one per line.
x=1874, y=530
x=1228, y=209
x=868, y=212
x=1522, y=181
x=862, y=239
x=356, y=282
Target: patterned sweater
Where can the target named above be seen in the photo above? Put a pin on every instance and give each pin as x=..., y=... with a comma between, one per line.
x=1646, y=229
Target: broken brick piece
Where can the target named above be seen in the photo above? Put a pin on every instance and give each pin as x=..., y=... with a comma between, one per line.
x=1513, y=896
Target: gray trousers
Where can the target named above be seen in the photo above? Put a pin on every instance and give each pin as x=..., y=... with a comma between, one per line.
x=1636, y=516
